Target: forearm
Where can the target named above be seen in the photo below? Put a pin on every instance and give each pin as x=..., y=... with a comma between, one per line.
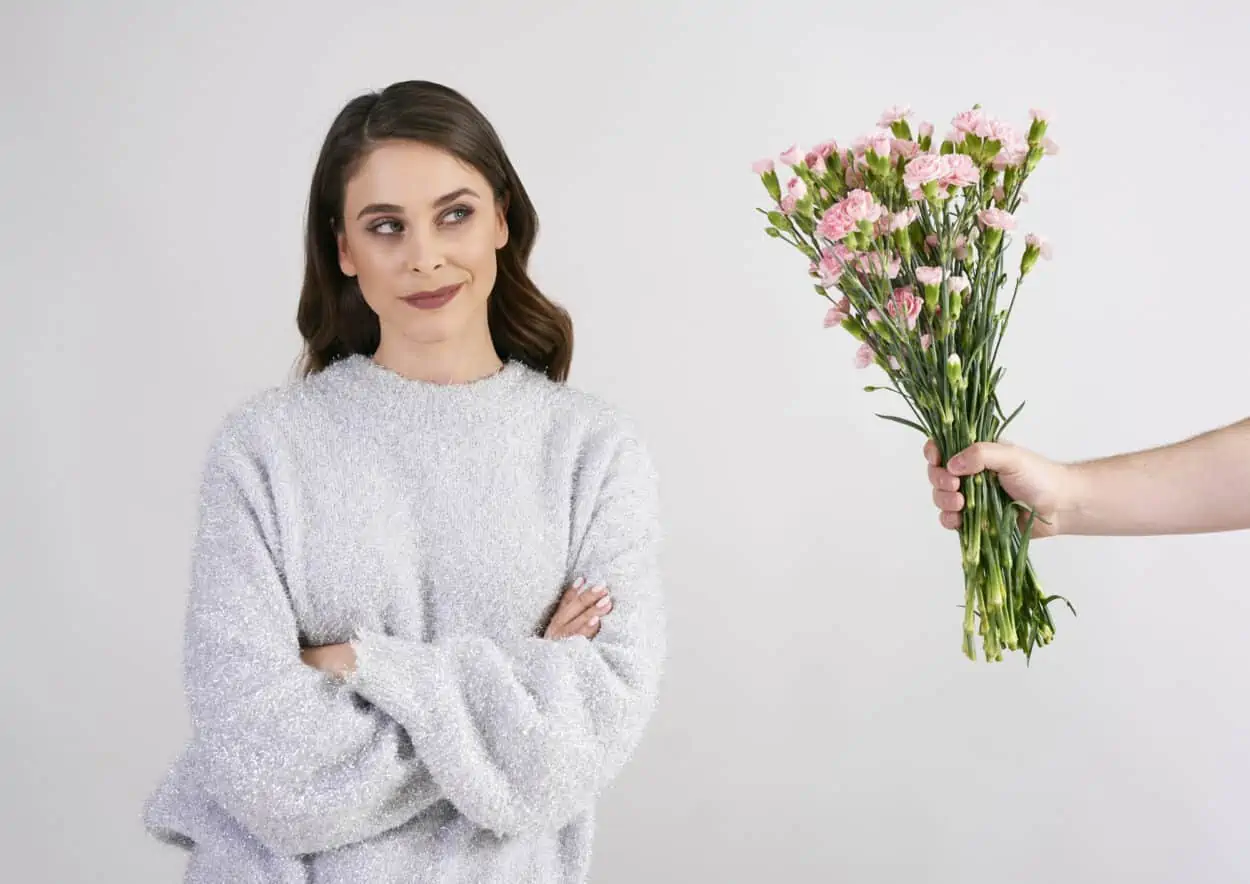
x=1199, y=485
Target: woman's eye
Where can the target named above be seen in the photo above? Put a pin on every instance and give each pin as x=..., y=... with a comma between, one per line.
x=458, y=215
x=387, y=228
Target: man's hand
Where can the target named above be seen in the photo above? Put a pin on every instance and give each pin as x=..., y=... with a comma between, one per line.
x=1029, y=478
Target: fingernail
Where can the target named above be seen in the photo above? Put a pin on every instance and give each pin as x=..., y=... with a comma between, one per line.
x=955, y=464
x=601, y=590
x=604, y=603
x=580, y=585
x=593, y=621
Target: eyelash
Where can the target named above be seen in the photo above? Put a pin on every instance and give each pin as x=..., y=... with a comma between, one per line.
x=376, y=227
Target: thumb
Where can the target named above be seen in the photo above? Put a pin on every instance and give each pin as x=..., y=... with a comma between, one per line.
x=983, y=456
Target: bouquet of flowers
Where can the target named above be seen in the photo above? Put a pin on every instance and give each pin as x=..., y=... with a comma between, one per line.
x=906, y=238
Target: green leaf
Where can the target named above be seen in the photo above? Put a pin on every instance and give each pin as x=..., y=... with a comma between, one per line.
x=1024, y=507
x=999, y=434
x=1022, y=555
x=905, y=422
x=1046, y=602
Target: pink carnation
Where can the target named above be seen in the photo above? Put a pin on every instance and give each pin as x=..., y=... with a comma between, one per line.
x=838, y=313
x=926, y=130
x=871, y=262
x=958, y=285
x=864, y=356
x=1000, y=194
x=792, y=155
x=762, y=167
x=878, y=143
x=1041, y=244
x=968, y=121
x=893, y=115
x=835, y=223
x=1038, y=114
x=902, y=220
x=825, y=148
x=1012, y=153
x=956, y=136
x=873, y=317
x=815, y=162
x=788, y=204
x=921, y=170
x=860, y=206
x=990, y=129
x=854, y=178
x=840, y=252
x=901, y=147
x=959, y=170
x=1050, y=147
x=905, y=305
x=929, y=275
x=996, y=218
x=830, y=270
x=925, y=342
x=796, y=188
x=894, y=363
x=961, y=247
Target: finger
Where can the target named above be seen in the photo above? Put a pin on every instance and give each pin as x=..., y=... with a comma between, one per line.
x=982, y=456
x=572, y=603
x=931, y=453
x=589, y=621
x=576, y=609
x=950, y=520
x=948, y=501
x=942, y=479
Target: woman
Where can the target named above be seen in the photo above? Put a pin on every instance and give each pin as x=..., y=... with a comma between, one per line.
x=387, y=678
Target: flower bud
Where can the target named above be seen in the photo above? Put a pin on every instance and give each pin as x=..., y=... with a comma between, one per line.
x=954, y=369
x=772, y=184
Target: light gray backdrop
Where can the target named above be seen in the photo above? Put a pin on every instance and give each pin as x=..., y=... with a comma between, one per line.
x=818, y=721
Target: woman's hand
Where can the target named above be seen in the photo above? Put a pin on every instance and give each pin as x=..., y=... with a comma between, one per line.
x=580, y=611
x=337, y=660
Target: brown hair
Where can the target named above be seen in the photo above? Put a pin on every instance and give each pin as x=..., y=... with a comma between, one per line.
x=333, y=317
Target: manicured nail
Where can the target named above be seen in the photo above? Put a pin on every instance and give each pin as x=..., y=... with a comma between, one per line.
x=604, y=603
x=594, y=621
x=580, y=585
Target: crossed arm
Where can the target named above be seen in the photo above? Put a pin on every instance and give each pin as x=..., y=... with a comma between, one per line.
x=519, y=736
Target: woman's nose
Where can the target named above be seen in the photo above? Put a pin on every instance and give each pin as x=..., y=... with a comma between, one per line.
x=424, y=254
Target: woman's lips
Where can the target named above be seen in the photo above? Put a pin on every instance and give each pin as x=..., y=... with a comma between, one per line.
x=434, y=299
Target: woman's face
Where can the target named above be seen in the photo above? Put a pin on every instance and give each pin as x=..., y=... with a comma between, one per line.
x=420, y=231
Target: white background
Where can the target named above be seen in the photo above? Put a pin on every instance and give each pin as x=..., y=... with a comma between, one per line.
x=818, y=721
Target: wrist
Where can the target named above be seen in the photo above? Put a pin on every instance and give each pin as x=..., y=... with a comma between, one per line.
x=1072, y=507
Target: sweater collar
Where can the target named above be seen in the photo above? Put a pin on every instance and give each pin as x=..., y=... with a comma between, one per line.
x=378, y=377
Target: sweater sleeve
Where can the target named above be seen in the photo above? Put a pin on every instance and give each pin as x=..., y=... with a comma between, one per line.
x=299, y=761
x=522, y=735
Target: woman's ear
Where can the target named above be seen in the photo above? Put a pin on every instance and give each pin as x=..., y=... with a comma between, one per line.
x=346, y=264
x=501, y=223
